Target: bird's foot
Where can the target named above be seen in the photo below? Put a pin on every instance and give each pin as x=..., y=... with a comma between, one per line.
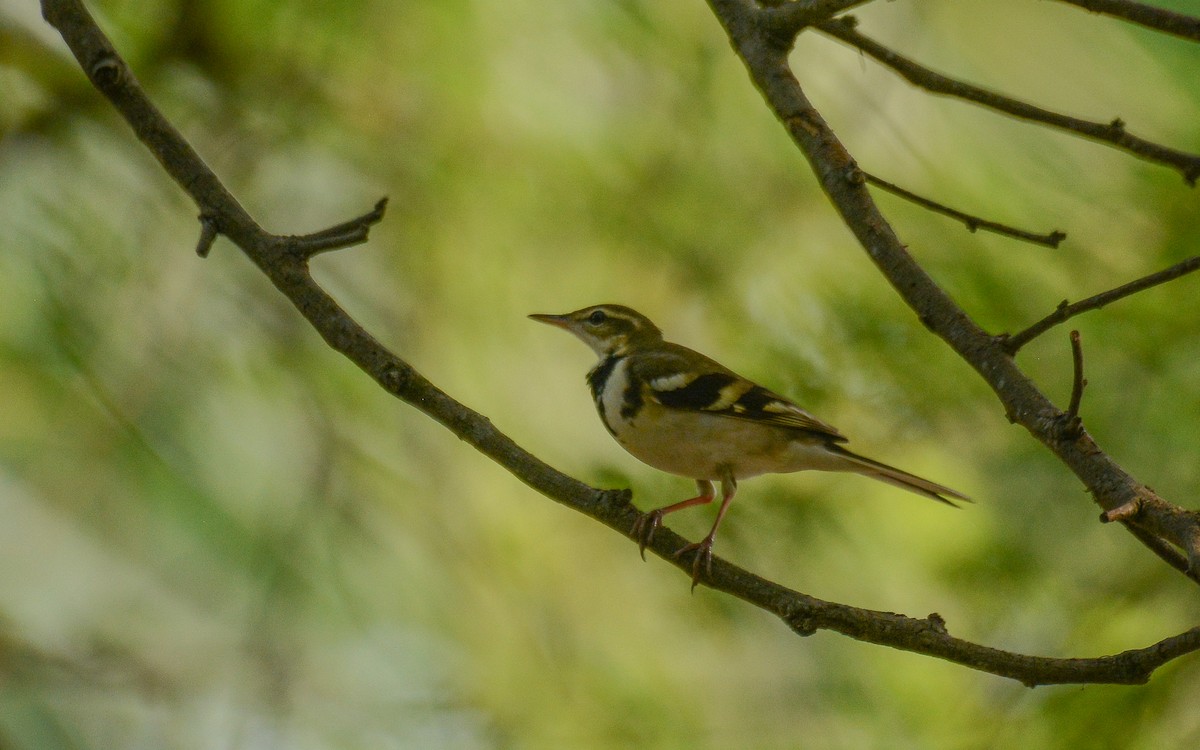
x=703, y=557
x=644, y=528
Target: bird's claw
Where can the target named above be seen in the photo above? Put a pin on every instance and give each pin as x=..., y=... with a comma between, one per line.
x=643, y=531
x=644, y=528
x=703, y=550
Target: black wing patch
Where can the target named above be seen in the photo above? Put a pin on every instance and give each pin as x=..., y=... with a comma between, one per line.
x=754, y=402
x=728, y=395
x=703, y=392
x=760, y=405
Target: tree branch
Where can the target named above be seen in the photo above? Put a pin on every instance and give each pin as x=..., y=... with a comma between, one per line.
x=1111, y=486
x=1112, y=133
x=789, y=17
x=346, y=234
x=1159, y=19
x=1165, y=551
x=284, y=260
x=1065, y=311
x=973, y=223
x=1074, y=425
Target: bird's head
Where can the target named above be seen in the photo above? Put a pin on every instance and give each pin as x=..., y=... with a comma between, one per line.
x=607, y=329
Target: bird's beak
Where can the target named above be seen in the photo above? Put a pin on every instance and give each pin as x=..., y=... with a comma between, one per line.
x=558, y=321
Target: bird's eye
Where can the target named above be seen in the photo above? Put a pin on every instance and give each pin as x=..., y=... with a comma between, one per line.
x=597, y=317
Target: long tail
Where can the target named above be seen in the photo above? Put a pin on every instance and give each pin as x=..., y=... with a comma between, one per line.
x=869, y=467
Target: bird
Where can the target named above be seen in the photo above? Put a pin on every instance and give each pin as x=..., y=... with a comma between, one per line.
x=681, y=412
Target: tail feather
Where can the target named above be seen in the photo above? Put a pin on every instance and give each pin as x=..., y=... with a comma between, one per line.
x=869, y=467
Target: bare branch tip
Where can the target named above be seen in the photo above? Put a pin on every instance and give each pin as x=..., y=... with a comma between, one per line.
x=1123, y=512
x=971, y=222
x=208, y=235
x=348, y=233
x=1072, y=424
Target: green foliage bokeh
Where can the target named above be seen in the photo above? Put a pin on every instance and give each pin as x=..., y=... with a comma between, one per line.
x=214, y=532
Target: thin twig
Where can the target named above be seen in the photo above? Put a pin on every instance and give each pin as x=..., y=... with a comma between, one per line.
x=1112, y=133
x=972, y=223
x=208, y=235
x=1159, y=546
x=1065, y=311
x=1149, y=513
x=1125, y=512
x=1073, y=424
x=346, y=234
x=1159, y=19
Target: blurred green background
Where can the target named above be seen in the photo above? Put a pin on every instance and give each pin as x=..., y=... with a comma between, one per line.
x=216, y=533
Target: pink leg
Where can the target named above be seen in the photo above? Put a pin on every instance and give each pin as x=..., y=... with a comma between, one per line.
x=647, y=523
x=703, y=548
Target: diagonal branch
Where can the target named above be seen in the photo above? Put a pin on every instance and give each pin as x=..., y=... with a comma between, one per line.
x=1112, y=133
x=1159, y=19
x=973, y=223
x=1065, y=311
x=283, y=259
x=1111, y=486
